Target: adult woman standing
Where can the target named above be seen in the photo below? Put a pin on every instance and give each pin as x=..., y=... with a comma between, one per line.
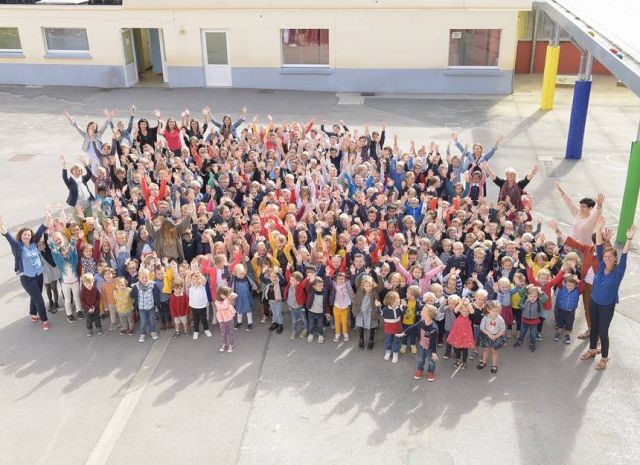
x=604, y=295
x=28, y=265
x=92, y=142
x=584, y=216
x=511, y=189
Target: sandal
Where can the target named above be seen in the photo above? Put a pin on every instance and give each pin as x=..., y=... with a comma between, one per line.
x=602, y=364
x=584, y=334
x=481, y=365
x=586, y=355
x=494, y=369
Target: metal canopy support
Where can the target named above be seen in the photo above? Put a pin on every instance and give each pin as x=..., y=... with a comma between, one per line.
x=534, y=41
x=550, y=70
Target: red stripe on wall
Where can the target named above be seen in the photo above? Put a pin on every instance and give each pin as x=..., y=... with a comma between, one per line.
x=569, y=59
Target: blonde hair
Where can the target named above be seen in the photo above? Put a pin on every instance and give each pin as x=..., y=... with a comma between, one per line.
x=87, y=278
x=430, y=311
x=391, y=297
x=504, y=281
x=545, y=272
x=413, y=291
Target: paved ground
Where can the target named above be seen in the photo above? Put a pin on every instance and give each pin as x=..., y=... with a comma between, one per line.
x=67, y=399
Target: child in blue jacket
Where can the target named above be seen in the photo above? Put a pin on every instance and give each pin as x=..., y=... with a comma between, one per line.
x=567, y=300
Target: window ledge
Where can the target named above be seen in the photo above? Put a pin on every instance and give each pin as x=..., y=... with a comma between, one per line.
x=69, y=55
x=306, y=70
x=472, y=71
x=14, y=54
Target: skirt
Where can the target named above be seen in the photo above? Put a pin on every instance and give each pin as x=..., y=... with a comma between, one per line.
x=485, y=342
x=50, y=273
x=507, y=314
x=461, y=335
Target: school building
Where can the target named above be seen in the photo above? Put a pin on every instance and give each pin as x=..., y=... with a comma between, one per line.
x=423, y=46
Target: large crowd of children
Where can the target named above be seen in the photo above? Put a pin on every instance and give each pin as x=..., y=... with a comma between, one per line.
x=193, y=223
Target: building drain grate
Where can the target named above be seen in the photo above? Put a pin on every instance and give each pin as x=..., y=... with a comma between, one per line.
x=22, y=157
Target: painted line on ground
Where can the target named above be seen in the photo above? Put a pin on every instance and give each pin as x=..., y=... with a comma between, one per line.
x=111, y=434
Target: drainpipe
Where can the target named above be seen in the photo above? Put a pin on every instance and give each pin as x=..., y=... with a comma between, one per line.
x=534, y=41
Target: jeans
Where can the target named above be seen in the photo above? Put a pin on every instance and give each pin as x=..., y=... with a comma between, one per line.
x=392, y=343
x=316, y=320
x=424, y=355
x=476, y=334
x=147, y=317
x=165, y=315
x=601, y=316
x=70, y=290
x=409, y=339
x=533, y=335
x=93, y=318
x=297, y=314
x=276, y=310
x=33, y=286
x=199, y=315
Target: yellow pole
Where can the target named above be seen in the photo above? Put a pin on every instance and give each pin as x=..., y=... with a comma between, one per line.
x=549, y=78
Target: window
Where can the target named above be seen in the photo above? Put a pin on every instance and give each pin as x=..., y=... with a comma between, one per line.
x=545, y=27
x=474, y=47
x=305, y=47
x=67, y=40
x=9, y=39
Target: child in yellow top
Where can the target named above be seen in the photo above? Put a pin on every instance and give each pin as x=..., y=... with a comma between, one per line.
x=410, y=317
x=124, y=306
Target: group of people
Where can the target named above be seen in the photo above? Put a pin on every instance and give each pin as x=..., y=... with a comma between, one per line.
x=194, y=222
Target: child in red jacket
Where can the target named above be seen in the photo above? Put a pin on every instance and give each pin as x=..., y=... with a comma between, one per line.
x=179, y=308
x=90, y=302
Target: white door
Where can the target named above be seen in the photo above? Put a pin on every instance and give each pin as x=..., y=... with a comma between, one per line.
x=217, y=72
x=130, y=65
x=163, y=56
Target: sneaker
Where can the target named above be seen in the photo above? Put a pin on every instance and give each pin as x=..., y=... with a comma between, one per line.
x=370, y=345
x=263, y=319
x=230, y=349
x=249, y=326
x=532, y=347
x=387, y=355
x=403, y=348
x=539, y=337
x=346, y=337
x=431, y=377
x=557, y=336
x=55, y=308
x=35, y=318
x=394, y=359
x=463, y=366
x=208, y=333
x=132, y=332
x=100, y=332
x=567, y=339
x=279, y=329
x=141, y=338
x=446, y=357
x=457, y=364
x=292, y=335
x=517, y=344
x=237, y=325
x=222, y=348
x=45, y=326
x=474, y=355
x=50, y=307
x=310, y=338
x=154, y=336
x=176, y=335
x=414, y=349
x=112, y=326
x=273, y=326
x=418, y=374
x=303, y=334
x=320, y=339
x=123, y=332
x=71, y=318
x=439, y=344
x=196, y=334
x=89, y=333
x=80, y=315
x=336, y=338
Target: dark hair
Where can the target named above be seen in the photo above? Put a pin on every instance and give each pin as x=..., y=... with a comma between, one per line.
x=21, y=232
x=588, y=202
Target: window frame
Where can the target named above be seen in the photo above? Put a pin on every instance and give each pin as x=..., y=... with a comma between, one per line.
x=311, y=66
x=12, y=51
x=474, y=67
x=57, y=53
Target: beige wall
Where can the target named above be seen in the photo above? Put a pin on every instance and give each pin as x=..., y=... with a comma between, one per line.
x=391, y=38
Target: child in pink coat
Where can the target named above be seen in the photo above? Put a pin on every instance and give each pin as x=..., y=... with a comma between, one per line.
x=225, y=314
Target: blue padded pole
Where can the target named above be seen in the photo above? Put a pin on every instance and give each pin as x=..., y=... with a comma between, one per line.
x=578, y=119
